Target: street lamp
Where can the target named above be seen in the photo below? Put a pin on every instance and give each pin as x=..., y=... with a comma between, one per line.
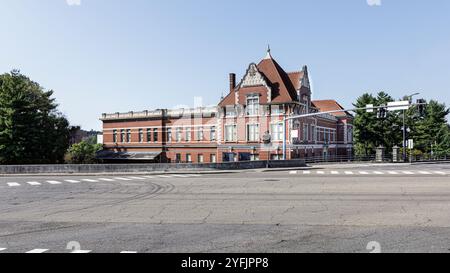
x=404, y=126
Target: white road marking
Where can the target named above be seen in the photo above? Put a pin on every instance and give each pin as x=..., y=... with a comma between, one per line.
x=89, y=180
x=408, y=172
x=34, y=183
x=377, y=172
x=2, y=249
x=363, y=172
x=164, y=176
x=53, y=182
x=320, y=172
x=13, y=184
x=106, y=179
x=128, y=252
x=334, y=172
x=37, y=250
x=424, y=172
x=122, y=178
x=72, y=181
x=348, y=173
x=136, y=178
x=192, y=175
x=81, y=251
x=182, y=176
x=306, y=172
x=441, y=173
x=291, y=172
x=392, y=172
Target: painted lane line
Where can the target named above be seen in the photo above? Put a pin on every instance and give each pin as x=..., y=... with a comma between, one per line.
x=2, y=249
x=150, y=177
x=192, y=175
x=136, y=178
x=54, y=182
x=13, y=184
x=122, y=178
x=72, y=181
x=363, y=172
x=37, y=250
x=34, y=183
x=392, y=172
x=81, y=251
x=334, y=172
x=377, y=172
x=184, y=176
x=164, y=176
x=128, y=252
x=306, y=172
x=424, y=172
x=89, y=180
x=441, y=173
x=348, y=173
x=320, y=172
x=106, y=179
x=408, y=172
x=291, y=172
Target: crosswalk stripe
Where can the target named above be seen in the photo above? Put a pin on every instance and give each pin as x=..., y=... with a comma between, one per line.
x=291, y=172
x=2, y=249
x=320, y=172
x=192, y=175
x=81, y=251
x=334, y=172
x=306, y=172
x=348, y=172
x=377, y=172
x=164, y=176
x=149, y=177
x=37, y=250
x=106, y=179
x=424, y=172
x=184, y=176
x=122, y=178
x=442, y=173
x=408, y=172
x=128, y=252
x=72, y=181
x=13, y=184
x=137, y=178
x=89, y=180
x=53, y=182
x=363, y=172
x=34, y=183
x=392, y=172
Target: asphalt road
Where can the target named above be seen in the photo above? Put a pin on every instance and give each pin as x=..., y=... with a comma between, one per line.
x=336, y=208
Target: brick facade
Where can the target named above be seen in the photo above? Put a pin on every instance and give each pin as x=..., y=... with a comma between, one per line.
x=235, y=130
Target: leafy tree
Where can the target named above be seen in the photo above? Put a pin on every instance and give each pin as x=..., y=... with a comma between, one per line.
x=83, y=152
x=32, y=131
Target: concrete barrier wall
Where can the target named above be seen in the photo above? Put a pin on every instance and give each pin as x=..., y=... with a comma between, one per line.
x=130, y=168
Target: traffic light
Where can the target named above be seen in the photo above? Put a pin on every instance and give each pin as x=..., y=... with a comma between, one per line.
x=421, y=107
x=382, y=113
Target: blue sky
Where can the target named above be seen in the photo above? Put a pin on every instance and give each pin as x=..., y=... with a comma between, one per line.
x=114, y=55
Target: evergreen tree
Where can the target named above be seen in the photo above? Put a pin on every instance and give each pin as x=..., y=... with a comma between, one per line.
x=32, y=131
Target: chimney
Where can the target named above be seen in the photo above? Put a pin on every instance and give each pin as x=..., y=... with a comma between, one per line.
x=232, y=82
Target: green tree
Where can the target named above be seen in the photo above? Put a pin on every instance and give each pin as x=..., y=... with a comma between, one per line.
x=83, y=152
x=32, y=131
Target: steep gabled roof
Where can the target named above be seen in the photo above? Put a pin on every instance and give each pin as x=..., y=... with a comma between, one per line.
x=283, y=89
x=296, y=78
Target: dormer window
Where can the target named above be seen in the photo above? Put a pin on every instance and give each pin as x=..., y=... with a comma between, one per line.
x=253, y=105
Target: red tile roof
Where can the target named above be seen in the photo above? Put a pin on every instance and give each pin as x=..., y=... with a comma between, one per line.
x=330, y=105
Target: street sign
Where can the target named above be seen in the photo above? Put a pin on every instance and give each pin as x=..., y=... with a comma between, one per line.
x=410, y=144
x=369, y=108
x=398, y=105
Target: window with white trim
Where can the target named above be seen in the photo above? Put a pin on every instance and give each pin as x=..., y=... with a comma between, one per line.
x=253, y=132
x=277, y=131
x=230, y=133
x=253, y=105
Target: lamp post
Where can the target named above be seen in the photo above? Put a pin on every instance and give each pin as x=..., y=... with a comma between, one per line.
x=404, y=126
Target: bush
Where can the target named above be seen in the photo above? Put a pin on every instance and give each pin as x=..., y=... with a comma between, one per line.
x=83, y=152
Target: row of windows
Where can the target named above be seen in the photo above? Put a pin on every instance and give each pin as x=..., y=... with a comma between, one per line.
x=200, y=158
x=124, y=136
x=253, y=132
x=312, y=133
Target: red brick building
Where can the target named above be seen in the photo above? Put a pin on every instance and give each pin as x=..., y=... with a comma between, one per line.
x=247, y=124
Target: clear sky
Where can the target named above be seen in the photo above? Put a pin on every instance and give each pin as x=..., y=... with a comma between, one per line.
x=115, y=55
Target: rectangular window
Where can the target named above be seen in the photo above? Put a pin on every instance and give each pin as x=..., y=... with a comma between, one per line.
x=169, y=135
x=128, y=135
x=277, y=131
x=155, y=135
x=149, y=135
x=253, y=105
x=253, y=132
x=188, y=158
x=200, y=134
x=122, y=135
x=230, y=133
x=213, y=158
x=254, y=157
x=141, y=135
x=114, y=136
x=277, y=110
x=188, y=134
x=213, y=134
x=178, y=158
x=200, y=158
x=276, y=157
x=178, y=134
